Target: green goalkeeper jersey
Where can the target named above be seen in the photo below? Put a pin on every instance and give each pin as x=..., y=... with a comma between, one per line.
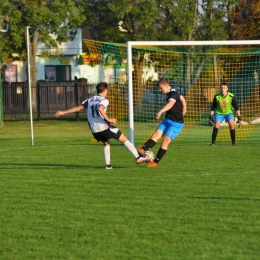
x=224, y=105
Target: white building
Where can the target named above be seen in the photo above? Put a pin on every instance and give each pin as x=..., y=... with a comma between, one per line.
x=65, y=68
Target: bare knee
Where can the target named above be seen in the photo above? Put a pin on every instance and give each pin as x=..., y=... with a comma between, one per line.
x=165, y=143
x=122, y=138
x=231, y=124
x=156, y=136
x=107, y=143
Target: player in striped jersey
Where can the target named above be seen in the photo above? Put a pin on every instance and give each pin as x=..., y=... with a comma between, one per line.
x=100, y=123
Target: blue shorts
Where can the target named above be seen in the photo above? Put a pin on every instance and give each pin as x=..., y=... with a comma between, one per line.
x=170, y=128
x=220, y=117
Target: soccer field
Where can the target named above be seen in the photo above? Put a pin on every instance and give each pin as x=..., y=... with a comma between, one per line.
x=59, y=202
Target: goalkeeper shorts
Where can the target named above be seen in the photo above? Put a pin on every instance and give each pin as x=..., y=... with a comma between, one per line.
x=221, y=117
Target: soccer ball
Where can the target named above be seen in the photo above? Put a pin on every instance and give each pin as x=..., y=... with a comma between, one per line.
x=149, y=154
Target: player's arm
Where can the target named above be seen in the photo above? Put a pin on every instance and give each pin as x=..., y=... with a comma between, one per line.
x=102, y=111
x=213, y=106
x=212, y=111
x=236, y=107
x=167, y=107
x=184, y=105
x=69, y=111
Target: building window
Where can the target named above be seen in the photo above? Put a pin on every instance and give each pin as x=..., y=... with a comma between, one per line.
x=57, y=73
x=11, y=73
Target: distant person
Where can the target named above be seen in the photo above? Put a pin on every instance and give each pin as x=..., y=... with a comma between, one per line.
x=99, y=123
x=76, y=81
x=175, y=108
x=222, y=108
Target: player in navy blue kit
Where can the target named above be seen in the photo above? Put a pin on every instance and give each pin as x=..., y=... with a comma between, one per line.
x=173, y=123
x=99, y=123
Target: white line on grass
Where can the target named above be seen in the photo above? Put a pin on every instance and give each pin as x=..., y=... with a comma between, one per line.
x=18, y=156
x=48, y=146
x=8, y=149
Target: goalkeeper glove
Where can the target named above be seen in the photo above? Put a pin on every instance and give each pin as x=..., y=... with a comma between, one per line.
x=211, y=120
x=239, y=120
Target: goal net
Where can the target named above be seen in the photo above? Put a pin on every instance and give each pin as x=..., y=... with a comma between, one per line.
x=195, y=69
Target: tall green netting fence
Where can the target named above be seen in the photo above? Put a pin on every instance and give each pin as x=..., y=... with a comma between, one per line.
x=195, y=72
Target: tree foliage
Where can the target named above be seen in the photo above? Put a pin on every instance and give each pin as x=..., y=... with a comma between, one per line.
x=213, y=20
x=245, y=17
x=45, y=18
x=158, y=20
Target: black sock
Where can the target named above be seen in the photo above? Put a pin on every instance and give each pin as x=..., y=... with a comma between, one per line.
x=149, y=144
x=214, y=135
x=159, y=155
x=233, y=135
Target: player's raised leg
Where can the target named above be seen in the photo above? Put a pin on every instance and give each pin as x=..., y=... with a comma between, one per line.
x=151, y=142
x=130, y=147
x=161, y=152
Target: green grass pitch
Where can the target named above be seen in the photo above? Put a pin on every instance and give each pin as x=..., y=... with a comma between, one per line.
x=59, y=202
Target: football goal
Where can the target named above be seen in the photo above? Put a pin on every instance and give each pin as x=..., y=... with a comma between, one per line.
x=195, y=69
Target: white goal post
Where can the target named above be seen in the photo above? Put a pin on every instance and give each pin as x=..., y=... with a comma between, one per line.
x=160, y=44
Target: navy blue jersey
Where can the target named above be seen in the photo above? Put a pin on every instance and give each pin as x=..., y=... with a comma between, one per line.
x=175, y=112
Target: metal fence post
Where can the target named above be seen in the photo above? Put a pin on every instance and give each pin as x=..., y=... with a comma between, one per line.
x=1, y=99
x=38, y=100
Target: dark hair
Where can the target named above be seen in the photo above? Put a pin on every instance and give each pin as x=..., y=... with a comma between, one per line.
x=223, y=84
x=101, y=87
x=163, y=81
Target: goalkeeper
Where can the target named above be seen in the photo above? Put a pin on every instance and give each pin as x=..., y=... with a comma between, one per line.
x=222, y=108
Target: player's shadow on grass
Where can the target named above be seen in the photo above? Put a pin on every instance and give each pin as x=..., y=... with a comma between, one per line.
x=50, y=166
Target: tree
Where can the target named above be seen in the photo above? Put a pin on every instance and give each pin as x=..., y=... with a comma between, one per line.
x=245, y=17
x=122, y=20
x=158, y=20
x=46, y=19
